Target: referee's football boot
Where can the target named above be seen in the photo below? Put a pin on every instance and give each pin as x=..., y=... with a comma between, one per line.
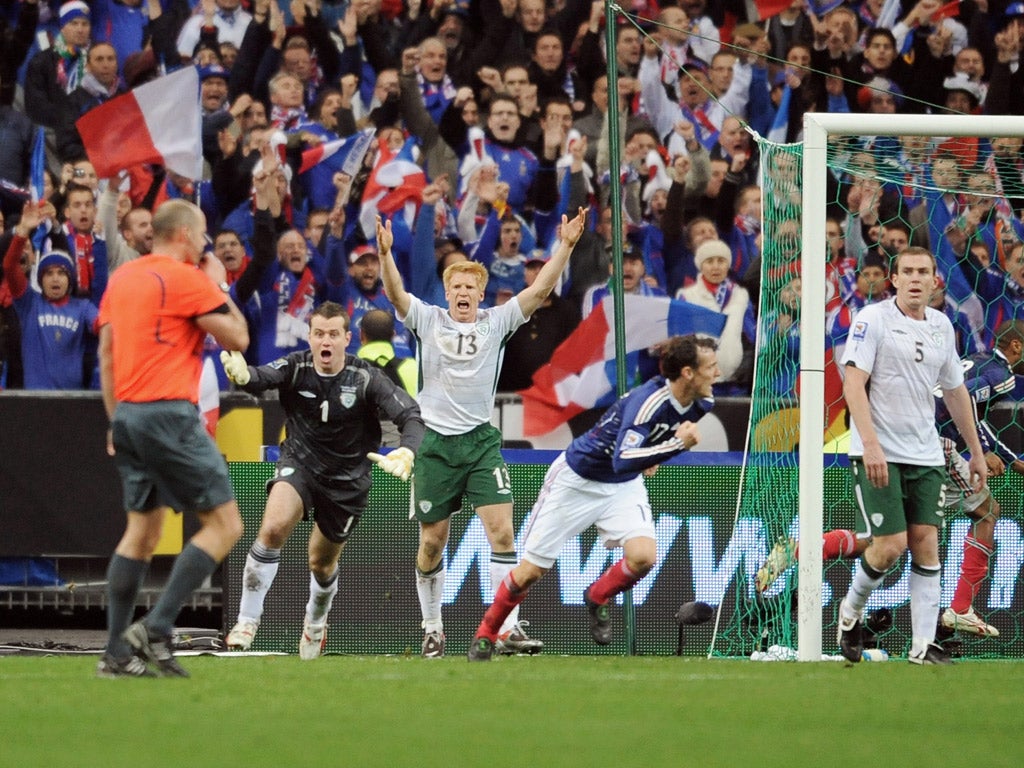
x=155, y=650
x=516, y=641
x=133, y=666
x=932, y=654
x=600, y=619
x=481, y=649
x=849, y=638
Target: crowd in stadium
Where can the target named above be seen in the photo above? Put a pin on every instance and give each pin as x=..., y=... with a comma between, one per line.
x=489, y=121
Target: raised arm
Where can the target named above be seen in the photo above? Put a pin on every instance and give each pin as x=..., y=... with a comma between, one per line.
x=393, y=286
x=531, y=297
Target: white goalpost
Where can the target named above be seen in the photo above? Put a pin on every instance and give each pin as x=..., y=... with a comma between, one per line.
x=818, y=127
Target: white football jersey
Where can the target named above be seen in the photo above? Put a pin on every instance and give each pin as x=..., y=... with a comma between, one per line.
x=906, y=360
x=460, y=363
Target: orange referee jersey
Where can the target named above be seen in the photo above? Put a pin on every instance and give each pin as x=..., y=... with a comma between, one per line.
x=150, y=305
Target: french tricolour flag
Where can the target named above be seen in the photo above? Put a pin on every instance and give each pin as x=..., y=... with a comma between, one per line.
x=578, y=375
x=158, y=122
x=345, y=155
x=395, y=186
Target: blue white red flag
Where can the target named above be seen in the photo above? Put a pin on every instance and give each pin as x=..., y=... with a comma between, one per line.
x=581, y=371
x=395, y=187
x=780, y=125
x=345, y=155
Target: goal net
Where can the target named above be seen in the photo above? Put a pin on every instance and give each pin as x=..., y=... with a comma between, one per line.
x=836, y=208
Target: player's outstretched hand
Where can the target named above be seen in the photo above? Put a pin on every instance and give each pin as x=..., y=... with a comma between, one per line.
x=398, y=462
x=235, y=367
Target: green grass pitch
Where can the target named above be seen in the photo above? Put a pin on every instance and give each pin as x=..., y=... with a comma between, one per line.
x=542, y=711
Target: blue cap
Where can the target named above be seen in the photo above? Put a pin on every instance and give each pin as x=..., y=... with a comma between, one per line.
x=1014, y=9
x=61, y=260
x=213, y=70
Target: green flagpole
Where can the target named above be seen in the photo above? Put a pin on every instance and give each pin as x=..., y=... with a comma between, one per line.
x=618, y=302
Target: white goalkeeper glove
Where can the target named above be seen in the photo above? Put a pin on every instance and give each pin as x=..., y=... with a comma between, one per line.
x=235, y=367
x=397, y=463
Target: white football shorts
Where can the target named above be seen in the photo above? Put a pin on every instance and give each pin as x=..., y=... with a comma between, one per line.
x=568, y=504
x=957, y=489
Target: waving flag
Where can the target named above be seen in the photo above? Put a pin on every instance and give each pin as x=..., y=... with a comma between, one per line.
x=768, y=8
x=780, y=125
x=158, y=122
x=395, y=186
x=581, y=371
x=37, y=182
x=37, y=169
x=947, y=11
x=888, y=14
x=345, y=155
x=821, y=7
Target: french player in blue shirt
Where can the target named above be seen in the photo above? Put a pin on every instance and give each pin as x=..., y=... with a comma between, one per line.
x=598, y=481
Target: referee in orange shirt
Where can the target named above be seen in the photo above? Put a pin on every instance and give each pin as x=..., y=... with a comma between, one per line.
x=154, y=317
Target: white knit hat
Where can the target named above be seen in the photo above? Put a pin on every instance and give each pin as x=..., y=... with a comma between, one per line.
x=709, y=249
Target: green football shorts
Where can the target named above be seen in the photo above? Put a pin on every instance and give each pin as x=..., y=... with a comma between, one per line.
x=450, y=466
x=914, y=495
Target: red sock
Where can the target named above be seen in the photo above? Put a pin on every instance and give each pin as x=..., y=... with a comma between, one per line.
x=973, y=571
x=837, y=544
x=618, y=578
x=508, y=596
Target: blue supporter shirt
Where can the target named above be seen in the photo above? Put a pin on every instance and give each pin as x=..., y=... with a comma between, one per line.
x=53, y=339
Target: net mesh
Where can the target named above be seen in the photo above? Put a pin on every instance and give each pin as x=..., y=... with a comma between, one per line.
x=961, y=199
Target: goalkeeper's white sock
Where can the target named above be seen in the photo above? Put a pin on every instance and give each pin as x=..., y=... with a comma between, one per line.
x=430, y=589
x=321, y=596
x=865, y=579
x=260, y=569
x=502, y=564
x=924, y=605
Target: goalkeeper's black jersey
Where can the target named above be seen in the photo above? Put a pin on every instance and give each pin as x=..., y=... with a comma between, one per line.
x=333, y=421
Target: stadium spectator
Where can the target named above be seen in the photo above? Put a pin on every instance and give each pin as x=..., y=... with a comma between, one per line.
x=355, y=282
x=227, y=246
x=323, y=472
x=130, y=233
x=52, y=74
x=634, y=280
x=461, y=447
x=54, y=323
x=507, y=271
x=224, y=20
x=1006, y=87
x=716, y=291
x=895, y=455
x=534, y=343
x=598, y=481
x=79, y=225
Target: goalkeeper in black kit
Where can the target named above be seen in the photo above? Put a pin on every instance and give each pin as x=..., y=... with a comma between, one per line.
x=332, y=404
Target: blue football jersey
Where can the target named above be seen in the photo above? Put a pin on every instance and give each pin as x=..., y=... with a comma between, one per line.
x=637, y=432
